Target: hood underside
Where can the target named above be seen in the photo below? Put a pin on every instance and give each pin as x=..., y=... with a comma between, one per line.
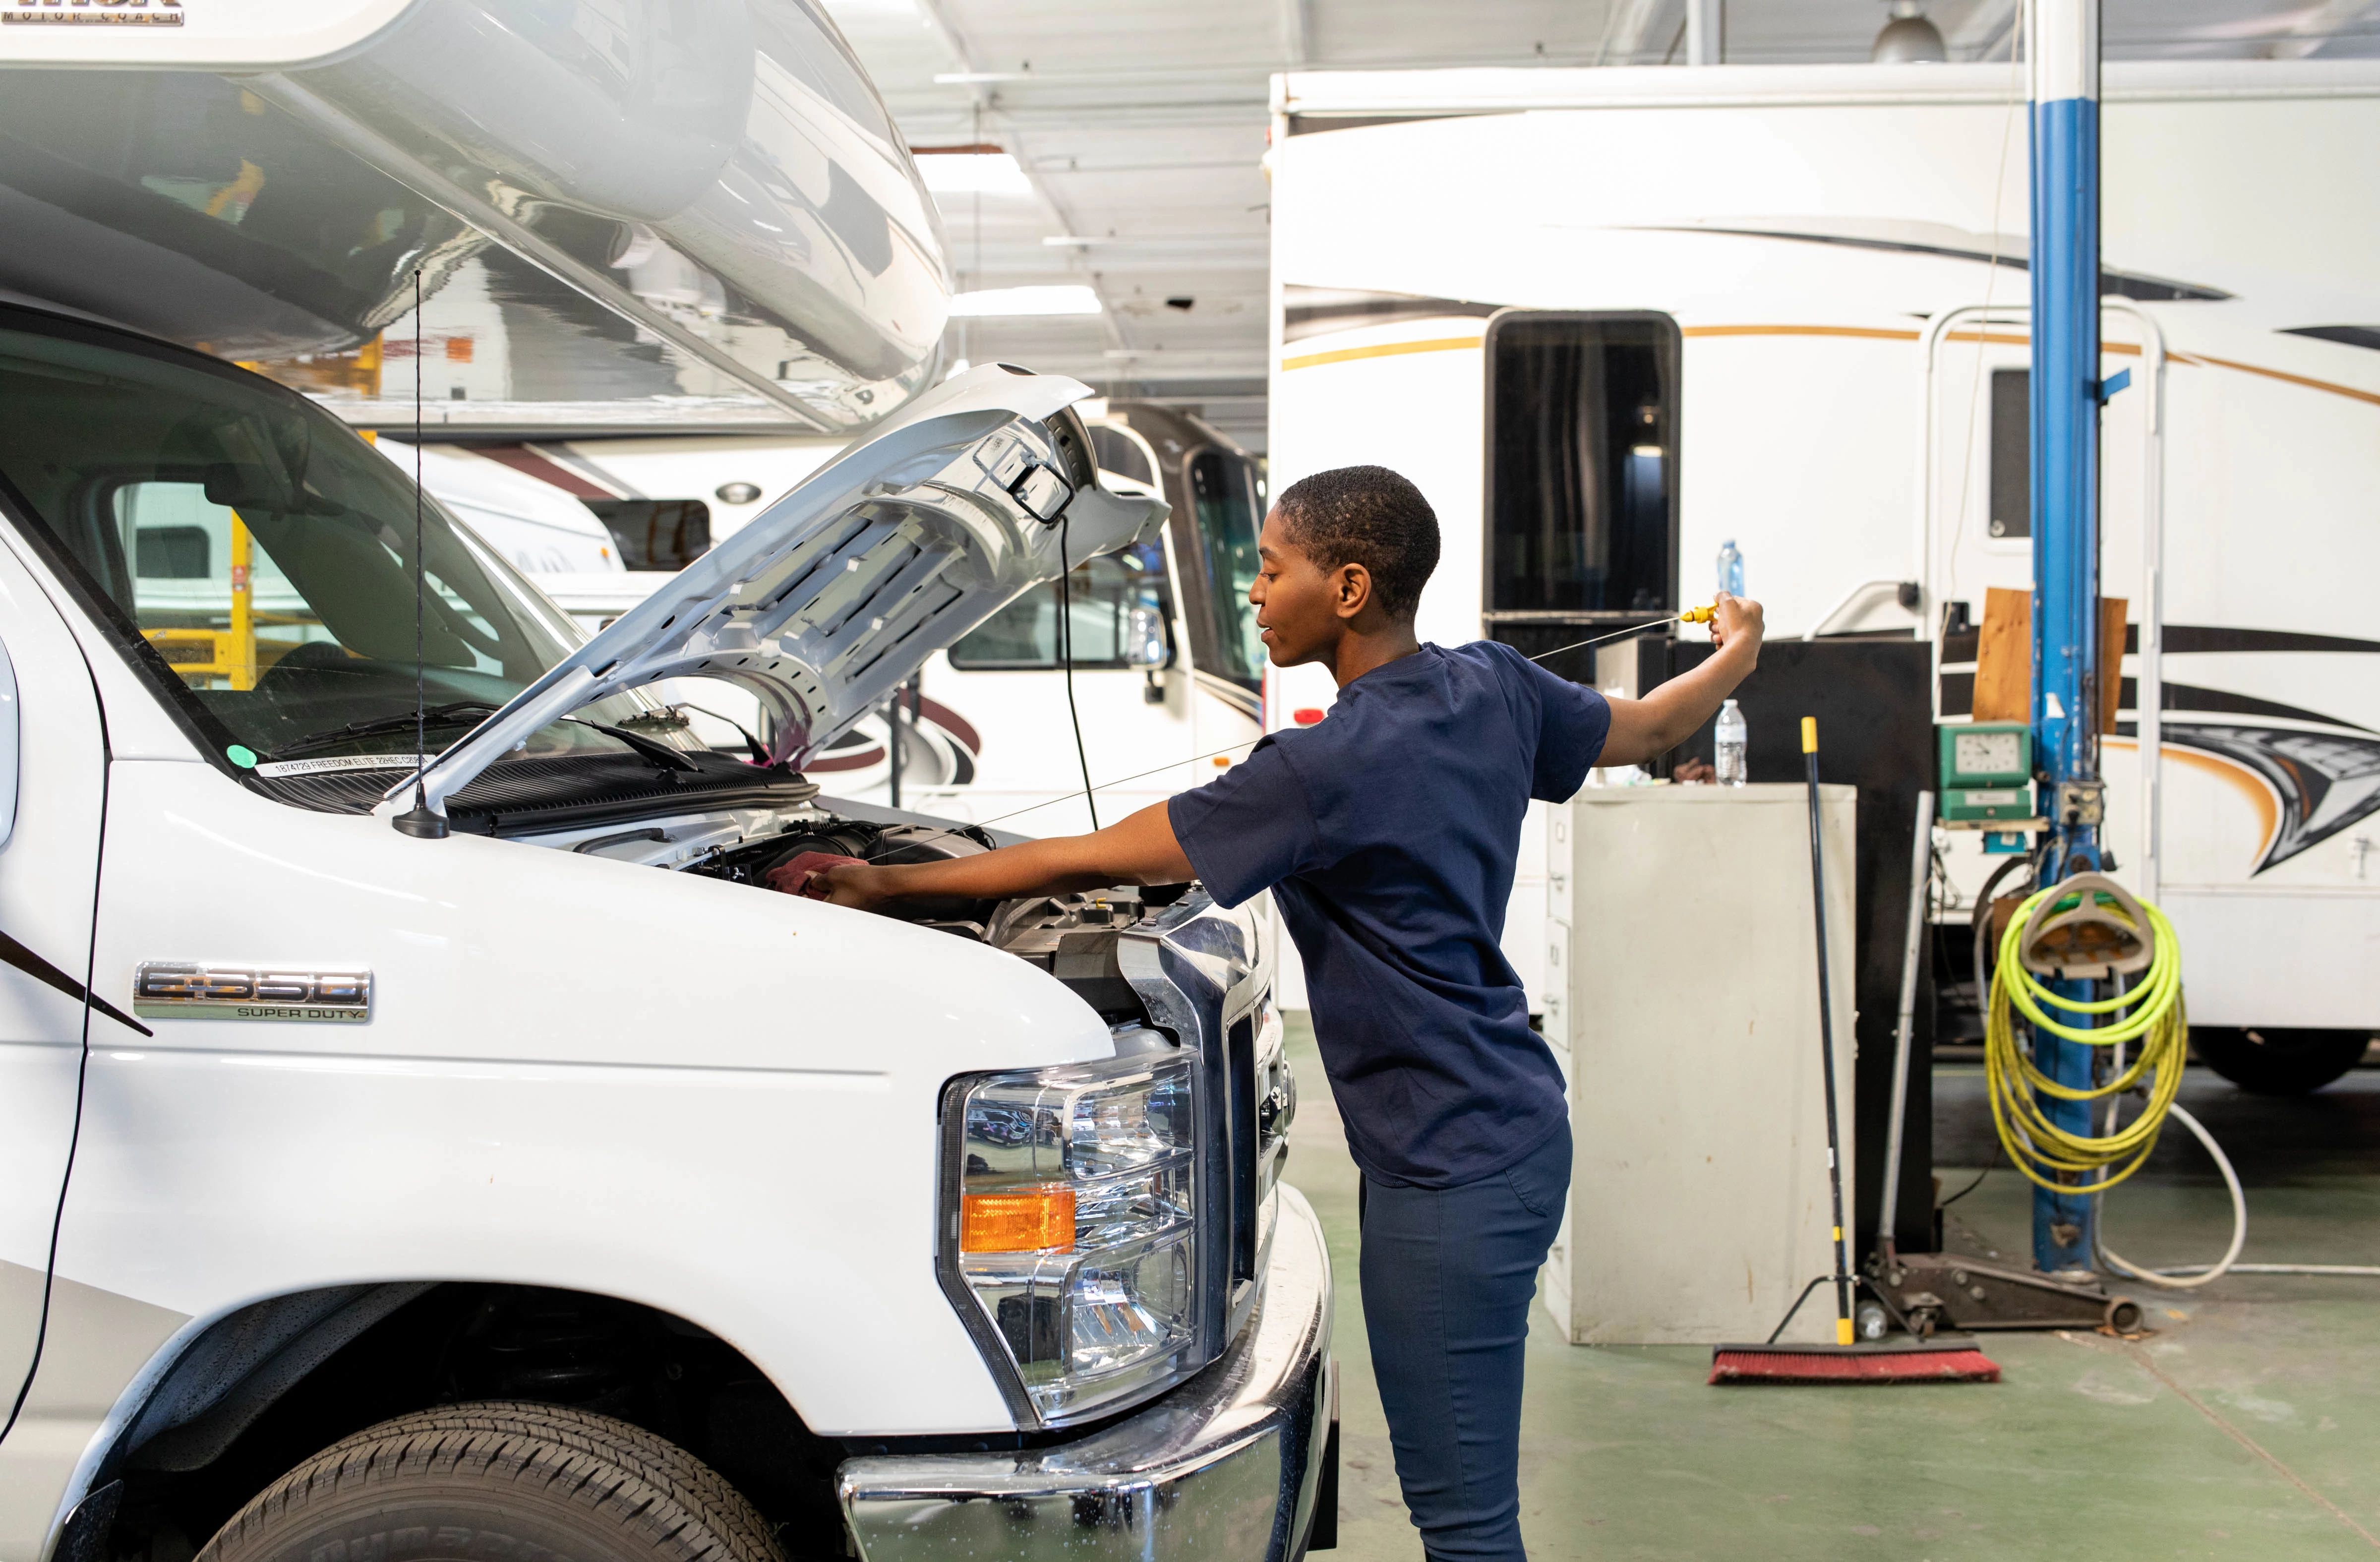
x=831, y=598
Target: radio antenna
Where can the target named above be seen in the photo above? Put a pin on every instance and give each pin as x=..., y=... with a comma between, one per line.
x=420, y=820
x=1066, y=651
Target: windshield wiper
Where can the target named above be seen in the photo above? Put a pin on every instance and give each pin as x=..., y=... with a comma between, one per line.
x=661, y=754
x=458, y=713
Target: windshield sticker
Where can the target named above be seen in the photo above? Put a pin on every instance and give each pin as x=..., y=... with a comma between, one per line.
x=274, y=770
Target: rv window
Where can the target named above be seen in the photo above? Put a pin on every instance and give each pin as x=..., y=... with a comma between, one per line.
x=1224, y=490
x=1583, y=454
x=170, y=553
x=655, y=533
x=1024, y=635
x=1116, y=451
x=2011, y=452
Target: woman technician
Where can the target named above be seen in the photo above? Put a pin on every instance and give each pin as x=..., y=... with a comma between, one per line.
x=1387, y=836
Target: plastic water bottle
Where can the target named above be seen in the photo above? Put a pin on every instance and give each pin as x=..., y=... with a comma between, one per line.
x=1729, y=732
x=1730, y=569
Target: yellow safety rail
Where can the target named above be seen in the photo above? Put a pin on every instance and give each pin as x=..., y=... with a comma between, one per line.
x=228, y=654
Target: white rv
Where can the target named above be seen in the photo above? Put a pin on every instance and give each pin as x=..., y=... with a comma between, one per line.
x=403, y=1159
x=1611, y=320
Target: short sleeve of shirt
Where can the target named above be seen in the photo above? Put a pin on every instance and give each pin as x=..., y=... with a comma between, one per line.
x=1248, y=829
x=1572, y=722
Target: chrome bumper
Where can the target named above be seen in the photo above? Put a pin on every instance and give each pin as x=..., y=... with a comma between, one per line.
x=1226, y=1468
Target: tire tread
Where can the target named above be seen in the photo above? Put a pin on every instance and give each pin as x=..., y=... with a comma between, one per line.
x=653, y=1489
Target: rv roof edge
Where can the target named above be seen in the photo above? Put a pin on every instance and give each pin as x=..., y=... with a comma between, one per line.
x=1371, y=95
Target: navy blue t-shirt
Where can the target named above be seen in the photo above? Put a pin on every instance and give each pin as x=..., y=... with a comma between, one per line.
x=1387, y=835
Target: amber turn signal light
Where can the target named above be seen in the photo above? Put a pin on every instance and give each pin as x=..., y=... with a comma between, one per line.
x=1022, y=1220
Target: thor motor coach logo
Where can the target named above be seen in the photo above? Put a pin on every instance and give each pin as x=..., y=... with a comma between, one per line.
x=190, y=990
x=98, y=13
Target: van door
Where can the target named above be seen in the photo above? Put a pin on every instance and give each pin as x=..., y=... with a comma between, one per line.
x=53, y=778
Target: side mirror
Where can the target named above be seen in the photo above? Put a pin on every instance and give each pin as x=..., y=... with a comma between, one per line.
x=1143, y=644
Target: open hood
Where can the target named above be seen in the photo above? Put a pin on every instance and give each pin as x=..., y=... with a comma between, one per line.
x=834, y=595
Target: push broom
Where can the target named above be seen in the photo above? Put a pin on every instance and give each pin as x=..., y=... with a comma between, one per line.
x=1847, y=1360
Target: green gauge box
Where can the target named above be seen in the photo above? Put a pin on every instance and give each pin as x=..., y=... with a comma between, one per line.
x=1986, y=770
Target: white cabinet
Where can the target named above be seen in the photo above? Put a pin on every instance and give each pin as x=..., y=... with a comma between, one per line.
x=1682, y=1001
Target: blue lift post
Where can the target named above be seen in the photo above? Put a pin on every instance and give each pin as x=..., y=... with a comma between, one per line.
x=2063, y=54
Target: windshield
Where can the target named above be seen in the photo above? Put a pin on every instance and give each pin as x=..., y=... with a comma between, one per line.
x=258, y=558
x=1224, y=488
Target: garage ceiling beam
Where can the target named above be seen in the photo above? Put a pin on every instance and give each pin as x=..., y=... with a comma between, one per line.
x=936, y=14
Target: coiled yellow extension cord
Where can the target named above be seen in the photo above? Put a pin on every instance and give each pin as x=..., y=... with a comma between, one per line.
x=2151, y=1014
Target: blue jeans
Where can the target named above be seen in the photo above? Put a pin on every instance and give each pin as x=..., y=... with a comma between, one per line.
x=1449, y=1274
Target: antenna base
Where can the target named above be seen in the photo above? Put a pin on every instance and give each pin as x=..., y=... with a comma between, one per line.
x=421, y=823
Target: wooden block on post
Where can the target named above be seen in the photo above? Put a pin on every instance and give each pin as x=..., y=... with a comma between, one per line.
x=2004, y=657
x=2111, y=659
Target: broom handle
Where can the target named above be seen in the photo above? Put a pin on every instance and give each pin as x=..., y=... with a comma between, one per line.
x=1827, y=1041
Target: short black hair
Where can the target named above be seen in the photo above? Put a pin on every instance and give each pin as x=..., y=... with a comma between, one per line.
x=1368, y=516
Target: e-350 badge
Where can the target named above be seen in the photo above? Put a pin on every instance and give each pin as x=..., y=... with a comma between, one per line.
x=190, y=990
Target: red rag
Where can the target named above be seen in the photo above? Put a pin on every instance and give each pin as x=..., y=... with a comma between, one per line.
x=794, y=877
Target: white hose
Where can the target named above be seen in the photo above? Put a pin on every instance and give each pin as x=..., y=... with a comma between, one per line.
x=2200, y=1273
x=2366, y=1270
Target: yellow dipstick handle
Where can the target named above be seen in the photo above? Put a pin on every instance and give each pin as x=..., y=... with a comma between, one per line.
x=1698, y=614
x=1809, y=735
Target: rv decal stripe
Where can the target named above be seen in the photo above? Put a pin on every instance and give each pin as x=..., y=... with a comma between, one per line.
x=536, y=464
x=2260, y=792
x=1888, y=334
x=2014, y=339
x=40, y=970
x=1385, y=350
x=2184, y=637
x=1872, y=332
x=1867, y=333
x=2347, y=391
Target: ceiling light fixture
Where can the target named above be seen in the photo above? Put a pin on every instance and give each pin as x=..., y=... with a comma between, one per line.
x=971, y=170
x=1061, y=299
x=1908, y=38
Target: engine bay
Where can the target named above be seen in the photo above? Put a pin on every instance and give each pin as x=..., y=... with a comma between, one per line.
x=1073, y=937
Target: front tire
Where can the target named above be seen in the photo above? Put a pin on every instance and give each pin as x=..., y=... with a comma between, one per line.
x=2278, y=1062
x=499, y=1481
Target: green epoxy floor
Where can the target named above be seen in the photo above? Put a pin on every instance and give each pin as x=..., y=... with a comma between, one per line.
x=2248, y=1426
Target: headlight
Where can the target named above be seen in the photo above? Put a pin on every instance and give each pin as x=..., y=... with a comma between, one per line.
x=1071, y=1225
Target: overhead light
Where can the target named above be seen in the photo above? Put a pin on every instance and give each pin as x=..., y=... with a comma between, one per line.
x=1071, y=297
x=1909, y=38
x=971, y=171
x=1068, y=241
x=1649, y=452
